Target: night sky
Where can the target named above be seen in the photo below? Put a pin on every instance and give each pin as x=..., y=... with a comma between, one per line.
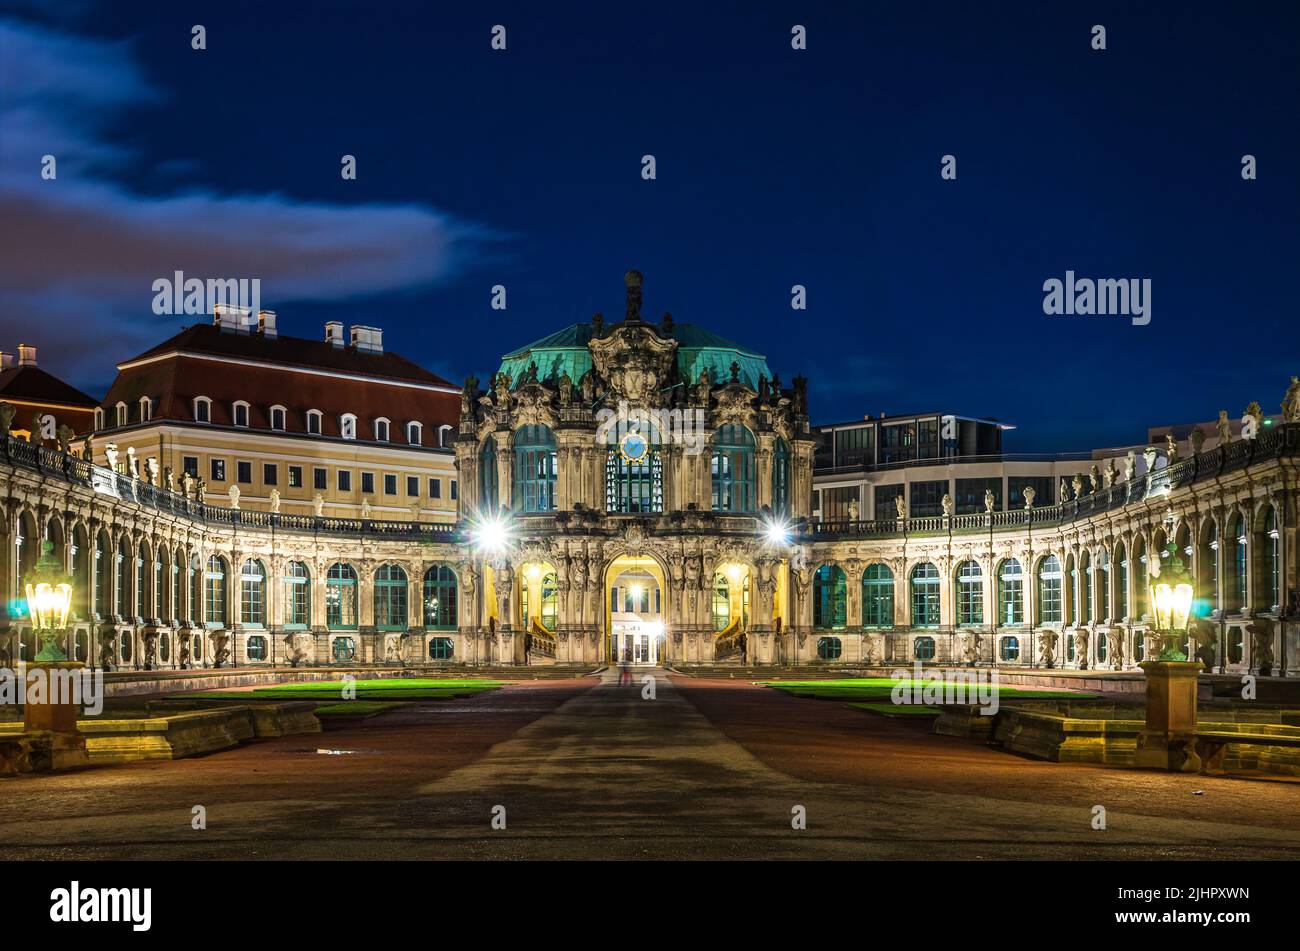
x=775, y=167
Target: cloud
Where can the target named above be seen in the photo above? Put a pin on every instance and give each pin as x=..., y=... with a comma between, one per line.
x=82, y=251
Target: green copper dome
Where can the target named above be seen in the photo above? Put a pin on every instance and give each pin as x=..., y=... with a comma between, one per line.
x=565, y=351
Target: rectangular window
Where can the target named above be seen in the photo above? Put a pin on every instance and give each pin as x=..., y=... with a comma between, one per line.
x=270, y=473
x=367, y=482
x=345, y=480
x=218, y=470
x=245, y=471
x=885, y=495
x=836, y=504
x=390, y=484
x=970, y=495
x=319, y=478
x=855, y=447
x=453, y=490
x=435, y=488
x=190, y=465
x=413, y=486
x=926, y=498
x=295, y=477
x=1043, y=486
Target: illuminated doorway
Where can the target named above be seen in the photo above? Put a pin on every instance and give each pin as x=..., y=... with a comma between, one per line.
x=636, y=610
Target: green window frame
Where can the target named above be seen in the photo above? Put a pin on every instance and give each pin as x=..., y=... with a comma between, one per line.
x=214, y=592
x=1009, y=649
x=535, y=468
x=877, y=596
x=441, y=648
x=829, y=648
x=297, y=595
x=970, y=594
x=1011, y=592
x=440, y=594
x=1272, y=548
x=781, y=477
x=925, y=595
x=923, y=648
x=341, y=598
x=733, y=470
x=489, y=491
x=830, y=599
x=390, y=598
x=252, y=597
x=721, y=602
x=1121, y=581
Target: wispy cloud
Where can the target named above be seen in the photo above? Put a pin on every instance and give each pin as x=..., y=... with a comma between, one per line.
x=83, y=250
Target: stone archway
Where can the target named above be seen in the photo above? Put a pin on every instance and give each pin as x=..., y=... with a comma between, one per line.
x=636, y=612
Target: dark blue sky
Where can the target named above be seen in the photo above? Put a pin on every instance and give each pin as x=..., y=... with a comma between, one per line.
x=775, y=167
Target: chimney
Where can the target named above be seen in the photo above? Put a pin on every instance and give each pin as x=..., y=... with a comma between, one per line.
x=367, y=339
x=6, y=360
x=334, y=333
x=232, y=318
x=26, y=355
x=266, y=323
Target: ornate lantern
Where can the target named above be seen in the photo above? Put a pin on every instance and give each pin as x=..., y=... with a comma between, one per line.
x=1171, y=592
x=49, y=597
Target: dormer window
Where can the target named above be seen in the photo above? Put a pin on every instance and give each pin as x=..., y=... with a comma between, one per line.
x=202, y=409
x=121, y=414
x=99, y=417
x=146, y=409
x=277, y=417
x=443, y=430
x=414, y=433
x=313, y=421
x=348, y=426
x=240, y=413
x=381, y=429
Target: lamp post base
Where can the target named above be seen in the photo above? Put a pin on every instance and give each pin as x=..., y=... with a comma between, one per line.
x=53, y=708
x=1168, y=741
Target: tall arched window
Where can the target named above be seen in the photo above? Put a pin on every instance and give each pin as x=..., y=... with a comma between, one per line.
x=1103, y=583
x=1235, y=596
x=440, y=598
x=733, y=469
x=1121, y=581
x=103, y=578
x=161, y=586
x=721, y=602
x=124, y=575
x=877, y=597
x=390, y=598
x=830, y=596
x=970, y=594
x=1083, y=613
x=634, y=471
x=489, y=494
x=1271, y=549
x=297, y=595
x=1208, y=582
x=781, y=477
x=535, y=469
x=214, y=592
x=1138, y=563
x=1011, y=594
x=252, y=597
x=550, y=614
x=925, y=595
x=142, y=571
x=341, y=597
x=1049, y=590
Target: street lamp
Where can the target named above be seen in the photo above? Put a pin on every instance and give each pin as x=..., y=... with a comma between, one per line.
x=1171, y=599
x=49, y=598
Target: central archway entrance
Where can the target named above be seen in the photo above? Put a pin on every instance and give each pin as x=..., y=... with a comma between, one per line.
x=635, y=607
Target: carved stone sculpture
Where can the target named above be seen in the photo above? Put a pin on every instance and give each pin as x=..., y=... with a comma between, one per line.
x=947, y=504
x=1065, y=491
x=64, y=436
x=233, y=492
x=990, y=501
x=275, y=500
x=1030, y=494
x=7, y=414
x=1261, y=645
x=1171, y=448
x=853, y=510
x=1077, y=485
x=900, y=506
x=1149, y=455
x=1224, y=426
x=1197, y=439
x=1291, y=402
x=201, y=491
x=110, y=455
x=1130, y=465
x=318, y=505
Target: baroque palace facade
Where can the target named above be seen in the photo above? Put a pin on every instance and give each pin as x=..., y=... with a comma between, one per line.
x=633, y=490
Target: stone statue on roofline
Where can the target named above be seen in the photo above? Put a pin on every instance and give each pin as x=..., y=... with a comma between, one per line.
x=318, y=505
x=1109, y=474
x=110, y=455
x=1224, y=426
x=946, y=504
x=1030, y=494
x=1256, y=412
x=7, y=414
x=900, y=506
x=233, y=492
x=1130, y=465
x=1094, y=478
x=566, y=388
x=588, y=385
x=1197, y=439
x=1171, y=448
x=186, y=484
x=1149, y=455
x=64, y=435
x=702, y=390
x=990, y=501
x=34, y=436
x=201, y=491
x=1291, y=402
x=275, y=501
x=1077, y=485
x=87, y=453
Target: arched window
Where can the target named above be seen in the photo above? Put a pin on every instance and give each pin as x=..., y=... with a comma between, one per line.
x=781, y=477
x=1271, y=549
x=381, y=430
x=1011, y=595
x=721, y=602
x=341, y=597
x=1138, y=564
x=970, y=594
x=925, y=597
x=314, y=417
x=830, y=594
x=252, y=598
x=733, y=469
x=161, y=577
x=1009, y=649
x=1084, y=590
x=103, y=582
x=122, y=414
x=489, y=495
x=214, y=592
x=440, y=598
x=146, y=409
x=239, y=413
x=1121, y=582
x=297, y=595
x=177, y=608
x=634, y=469
x=390, y=598
x=550, y=615
x=1208, y=582
x=535, y=469
x=202, y=409
x=143, y=569
x=877, y=597
x=1235, y=596
x=277, y=417
x=1103, y=583
x=414, y=433
x=1049, y=590
x=124, y=579
x=348, y=426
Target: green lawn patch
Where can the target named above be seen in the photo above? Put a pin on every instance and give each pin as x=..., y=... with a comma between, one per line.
x=356, y=708
x=404, y=689
x=873, y=689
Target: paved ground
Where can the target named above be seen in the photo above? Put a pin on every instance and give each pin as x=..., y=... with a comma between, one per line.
x=708, y=769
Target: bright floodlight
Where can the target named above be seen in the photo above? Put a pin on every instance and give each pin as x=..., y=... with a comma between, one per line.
x=778, y=532
x=492, y=534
